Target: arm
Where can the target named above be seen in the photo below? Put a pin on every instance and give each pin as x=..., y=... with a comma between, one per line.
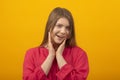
x=60, y=60
x=78, y=70
x=30, y=72
x=47, y=63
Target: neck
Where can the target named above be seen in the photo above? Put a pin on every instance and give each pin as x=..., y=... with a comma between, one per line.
x=55, y=46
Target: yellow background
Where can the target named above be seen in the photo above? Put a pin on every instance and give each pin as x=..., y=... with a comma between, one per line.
x=97, y=25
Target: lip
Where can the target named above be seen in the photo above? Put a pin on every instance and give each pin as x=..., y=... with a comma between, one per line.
x=60, y=36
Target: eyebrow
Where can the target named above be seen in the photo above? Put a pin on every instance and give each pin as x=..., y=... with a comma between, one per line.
x=62, y=24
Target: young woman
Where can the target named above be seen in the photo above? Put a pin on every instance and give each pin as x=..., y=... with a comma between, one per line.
x=58, y=57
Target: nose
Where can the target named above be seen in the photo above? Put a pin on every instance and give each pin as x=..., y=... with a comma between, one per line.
x=63, y=30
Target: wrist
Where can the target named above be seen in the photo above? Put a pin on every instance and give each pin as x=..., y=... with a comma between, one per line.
x=51, y=55
x=58, y=54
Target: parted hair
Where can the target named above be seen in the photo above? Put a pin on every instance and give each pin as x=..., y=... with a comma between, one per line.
x=56, y=14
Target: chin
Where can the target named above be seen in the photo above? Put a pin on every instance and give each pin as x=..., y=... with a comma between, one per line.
x=58, y=42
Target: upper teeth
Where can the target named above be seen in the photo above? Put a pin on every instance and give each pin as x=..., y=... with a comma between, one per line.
x=60, y=36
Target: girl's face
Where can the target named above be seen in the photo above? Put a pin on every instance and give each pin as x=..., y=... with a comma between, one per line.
x=60, y=31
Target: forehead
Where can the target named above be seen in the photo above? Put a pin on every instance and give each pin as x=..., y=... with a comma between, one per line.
x=63, y=21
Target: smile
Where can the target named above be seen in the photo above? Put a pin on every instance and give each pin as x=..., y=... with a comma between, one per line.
x=61, y=37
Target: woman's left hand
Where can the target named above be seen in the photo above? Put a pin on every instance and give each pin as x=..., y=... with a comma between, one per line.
x=61, y=48
x=60, y=59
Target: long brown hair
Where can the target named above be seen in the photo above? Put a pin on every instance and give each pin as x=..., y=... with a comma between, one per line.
x=56, y=14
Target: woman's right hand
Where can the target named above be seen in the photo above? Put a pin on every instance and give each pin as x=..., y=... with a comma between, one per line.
x=50, y=45
x=46, y=65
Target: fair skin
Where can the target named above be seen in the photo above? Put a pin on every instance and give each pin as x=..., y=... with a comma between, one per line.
x=56, y=44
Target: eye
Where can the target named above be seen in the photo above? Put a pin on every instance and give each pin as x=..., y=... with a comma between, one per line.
x=59, y=25
x=68, y=27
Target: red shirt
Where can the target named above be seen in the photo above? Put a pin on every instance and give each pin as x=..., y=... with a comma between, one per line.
x=76, y=68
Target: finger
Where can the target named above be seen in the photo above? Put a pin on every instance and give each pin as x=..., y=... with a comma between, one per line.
x=49, y=37
x=50, y=30
x=64, y=42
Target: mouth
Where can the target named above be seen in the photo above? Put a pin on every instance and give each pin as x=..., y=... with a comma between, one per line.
x=60, y=36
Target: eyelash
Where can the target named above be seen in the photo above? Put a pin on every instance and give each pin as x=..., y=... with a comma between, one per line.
x=68, y=28
x=59, y=26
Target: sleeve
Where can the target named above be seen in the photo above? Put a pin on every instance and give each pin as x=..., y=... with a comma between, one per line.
x=30, y=72
x=78, y=70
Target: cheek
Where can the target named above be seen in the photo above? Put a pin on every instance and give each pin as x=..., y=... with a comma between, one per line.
x=68, y=34
x=53, y=34
x=52, y=37
x=55, y=30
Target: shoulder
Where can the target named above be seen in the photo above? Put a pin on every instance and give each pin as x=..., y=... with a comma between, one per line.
x=31, y=50
x=34, y=51
x=76, y=50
